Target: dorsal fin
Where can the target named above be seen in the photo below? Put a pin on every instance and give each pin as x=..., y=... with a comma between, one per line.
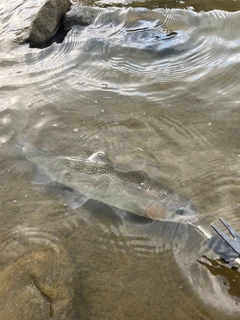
x=100, y=157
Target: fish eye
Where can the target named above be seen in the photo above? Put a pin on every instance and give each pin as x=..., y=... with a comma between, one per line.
x=180, y=211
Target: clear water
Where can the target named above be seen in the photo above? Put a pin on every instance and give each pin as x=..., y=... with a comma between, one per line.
x=164, y=104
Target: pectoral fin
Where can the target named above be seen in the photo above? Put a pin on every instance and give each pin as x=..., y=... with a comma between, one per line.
x=40, y=176
x=75, y=199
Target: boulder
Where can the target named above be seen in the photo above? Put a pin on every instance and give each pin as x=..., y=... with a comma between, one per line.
x=46, y=21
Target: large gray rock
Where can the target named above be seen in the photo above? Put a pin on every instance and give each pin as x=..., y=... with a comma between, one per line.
x=46, y=21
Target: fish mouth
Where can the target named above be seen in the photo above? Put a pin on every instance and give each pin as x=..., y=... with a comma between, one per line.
x=192, y=218
x=186, y=214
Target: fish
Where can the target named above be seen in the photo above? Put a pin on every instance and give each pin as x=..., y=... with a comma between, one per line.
x=98, y=178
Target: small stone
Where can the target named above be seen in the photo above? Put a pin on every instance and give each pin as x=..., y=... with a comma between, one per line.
x=55, y=125
x=75, y=130
x=14, y=201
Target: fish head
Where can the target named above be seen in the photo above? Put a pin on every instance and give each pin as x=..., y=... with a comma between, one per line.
x=185, y=214
x=159, y=210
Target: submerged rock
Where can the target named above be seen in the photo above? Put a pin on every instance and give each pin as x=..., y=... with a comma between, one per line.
x=79, y=15
x=45, y=22
x=39, y=285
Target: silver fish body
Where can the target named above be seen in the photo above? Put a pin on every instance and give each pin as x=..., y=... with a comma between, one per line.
x=98, y=178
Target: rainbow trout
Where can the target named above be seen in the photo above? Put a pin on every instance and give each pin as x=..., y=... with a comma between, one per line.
x=98, y=178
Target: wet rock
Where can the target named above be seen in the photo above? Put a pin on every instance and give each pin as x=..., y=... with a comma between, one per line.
x=45, y=22
x=79, y=15
x=37, y=286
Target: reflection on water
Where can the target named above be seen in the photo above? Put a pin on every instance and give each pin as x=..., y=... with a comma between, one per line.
x=158, y=91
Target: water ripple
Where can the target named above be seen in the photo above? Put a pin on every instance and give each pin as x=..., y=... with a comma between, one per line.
x=155, y=54
x=22, y=239
x=35, y=235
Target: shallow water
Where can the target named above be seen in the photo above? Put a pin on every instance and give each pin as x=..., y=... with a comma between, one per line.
x=158, y=91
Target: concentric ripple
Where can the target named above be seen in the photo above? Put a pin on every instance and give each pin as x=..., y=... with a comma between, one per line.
x=153, y=53
x=22, y=239
x=35, y=235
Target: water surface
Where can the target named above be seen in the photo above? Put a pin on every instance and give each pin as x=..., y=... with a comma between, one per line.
x=157, y=88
